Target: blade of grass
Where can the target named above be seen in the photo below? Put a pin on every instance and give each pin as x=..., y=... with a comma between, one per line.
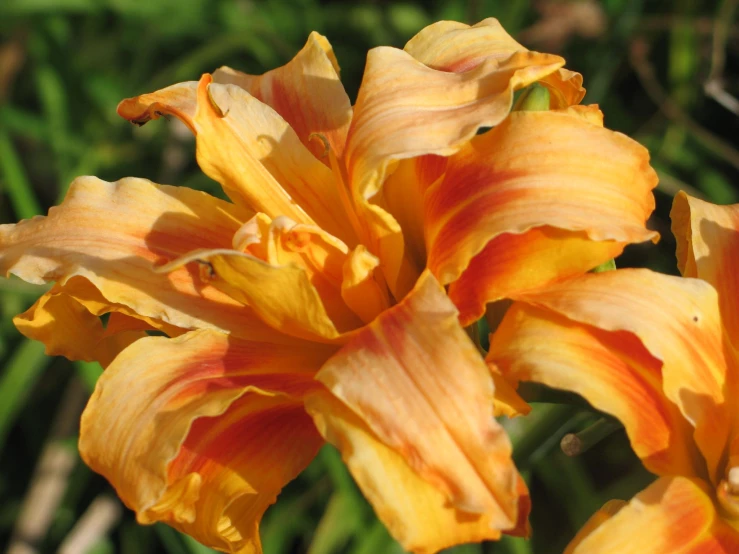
x=20, y=375
x=15, y=181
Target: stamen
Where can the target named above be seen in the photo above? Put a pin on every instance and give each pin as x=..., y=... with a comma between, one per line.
x=574, y=444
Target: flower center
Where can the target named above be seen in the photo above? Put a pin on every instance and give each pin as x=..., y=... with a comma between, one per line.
x=728, y=494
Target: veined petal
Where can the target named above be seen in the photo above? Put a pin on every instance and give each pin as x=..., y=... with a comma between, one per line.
x=412, y=407
x=708, y=248
x=253, y=152
x=673, y=515
x=679, y=326
x=282, y=296
x=590, y=186
x=307, y=92
x=113, y=234
x=614, y=373
x=361, y=289
x=202, y=431
x=68, y=329
x=457, y=47
x=405, y=109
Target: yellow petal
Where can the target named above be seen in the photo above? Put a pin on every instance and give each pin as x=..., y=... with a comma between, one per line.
x=673, y=515
x=179, y=100
x=678, y=328
x=113, y=234
x=68, y=329
x=708, y=248
x=457, y=47
x=202, y=431
x=609, y=509
x=411, y=412
x=361, y=288
x=405, y=109
x=253, y=152
x=585, y=198
x=306, y=92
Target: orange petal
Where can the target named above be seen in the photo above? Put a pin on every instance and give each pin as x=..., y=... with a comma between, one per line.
x=606, y=512
x=306, y=92
x=457, y=47
x=673, y=515
x=405, y=109
x=113, y=234
x=361, y=288
x=282, y=296
x=68, y=329
x=202, y=431
x=179, y=100
x=678, y=328
x=589, y=185
x=708, y=248
x=411, y=412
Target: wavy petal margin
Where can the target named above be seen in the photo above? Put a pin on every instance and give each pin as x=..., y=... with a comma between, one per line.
x=630, y=366
x=457, y=47
x=115, y=234
x=411, y=409
x=405, y=109
x=202, y=431
x=673, y=515
x=501, y=224
x=306, y=92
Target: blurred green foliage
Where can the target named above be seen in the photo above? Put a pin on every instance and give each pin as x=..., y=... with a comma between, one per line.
x=64, y=66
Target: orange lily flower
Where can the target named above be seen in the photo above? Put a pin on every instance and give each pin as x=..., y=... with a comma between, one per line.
x=312, y=307
x=661, y=354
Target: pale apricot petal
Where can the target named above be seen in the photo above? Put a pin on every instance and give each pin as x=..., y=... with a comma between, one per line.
x=413, y=407
x=674, y=515
x=614, y=372
x=405, y=109
x=457, y=47
x=179, y=100
x=593, y=183
x=202, y=431
x=306, y=91
x=679, y=326
x=68, y=329
x=113, y=234
x=708, y=248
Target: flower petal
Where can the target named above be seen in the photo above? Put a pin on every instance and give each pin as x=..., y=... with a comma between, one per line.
x=457, y=47
x=202, y=431
x=254, y=153
x=113, y=234
x=68, y=329
x=708, y=248
x=179, y=100
x=405, y=109
x=679, y=328
x=590, y=186
x=411, y=412
x=307, y=92
x=673, y=515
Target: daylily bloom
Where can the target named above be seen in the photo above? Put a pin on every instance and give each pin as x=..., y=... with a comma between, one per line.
x=661, y=354
x=312, y=307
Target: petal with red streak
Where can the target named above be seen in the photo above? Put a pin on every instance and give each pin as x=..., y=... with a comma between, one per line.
x=673, y=515
x=306, y=92
x=590, y=187
x=678, y=328
x=202, y=431
x=411, y=409
x=114, y=234
x=405, y=109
